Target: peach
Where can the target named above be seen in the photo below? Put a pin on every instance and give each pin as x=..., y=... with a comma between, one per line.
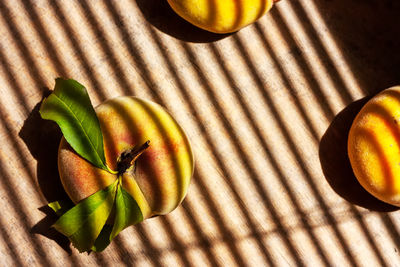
x=160, y=177
x=221, y=16
x=374, y=146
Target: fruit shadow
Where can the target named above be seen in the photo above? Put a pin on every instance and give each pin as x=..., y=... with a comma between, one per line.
x=336, y=164
x=159, y=14
x=42, y=138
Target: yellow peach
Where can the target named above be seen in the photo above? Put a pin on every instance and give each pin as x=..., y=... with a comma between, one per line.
x=160, y=177
x=374, y=146
x=221, y=16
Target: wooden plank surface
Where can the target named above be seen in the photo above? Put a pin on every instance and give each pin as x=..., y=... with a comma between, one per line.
x=267, y=110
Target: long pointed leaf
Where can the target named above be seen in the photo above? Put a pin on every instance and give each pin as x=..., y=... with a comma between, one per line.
x=70, y=107
x=127, y=212
x=83, y=223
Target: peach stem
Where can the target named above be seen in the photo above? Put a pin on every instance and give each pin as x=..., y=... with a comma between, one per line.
x=129, y=157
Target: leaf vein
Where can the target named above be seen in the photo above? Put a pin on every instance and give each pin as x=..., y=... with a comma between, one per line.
x=83, y=129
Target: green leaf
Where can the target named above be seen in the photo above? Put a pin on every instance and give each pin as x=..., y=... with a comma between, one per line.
x=82, y=224
x=70, y=107
x=127, y=212
x=61, y=206
x=103, y=240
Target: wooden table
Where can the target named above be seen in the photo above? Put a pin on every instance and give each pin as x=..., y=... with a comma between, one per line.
x=267, y=110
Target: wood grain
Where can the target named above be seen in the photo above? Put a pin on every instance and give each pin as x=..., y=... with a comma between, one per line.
x=267, y=110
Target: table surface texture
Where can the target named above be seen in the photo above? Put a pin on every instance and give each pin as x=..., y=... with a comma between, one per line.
x=267, y=110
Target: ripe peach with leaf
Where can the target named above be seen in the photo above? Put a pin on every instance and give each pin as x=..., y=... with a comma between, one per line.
x=124, y=162
x=158, y=180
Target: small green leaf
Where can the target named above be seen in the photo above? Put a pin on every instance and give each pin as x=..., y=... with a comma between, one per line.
x=70, y=107
x=61, y=206
x=127, y=212
x=82, y=224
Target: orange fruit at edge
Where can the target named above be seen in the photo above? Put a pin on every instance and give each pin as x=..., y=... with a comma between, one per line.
x=374, y=146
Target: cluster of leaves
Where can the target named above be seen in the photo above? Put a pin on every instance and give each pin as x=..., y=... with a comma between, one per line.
x=84, y=224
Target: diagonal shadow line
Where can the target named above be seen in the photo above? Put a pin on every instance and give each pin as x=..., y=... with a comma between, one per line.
x=208, y=242
x=229, y=238
x=126, y=258
x=390, y=226
x=363, y=226
x=100, y=259
x=286, y=82
x=178, y=247
x=369, y=236
x=176, y=242
x=256, y=180
x=13, y=82
x=308, y=176
x=44, y=37
x=17, y=147
x=30, y=62
x=183, y=91
x=11, y=246
x=35, y=74
x=347, y=97
x=28, y=59
x=139, y=60
x=12, y=138
x=271, y=158
x=293, y=147
x=152, y=251
x=356, y=213
x=20, y=210
x=135, y=57
x=317, y=45
x=175, y=76
x=106, y=47
x=302, y=65
x=99, y=88
x=200, y=236
x=133, y=51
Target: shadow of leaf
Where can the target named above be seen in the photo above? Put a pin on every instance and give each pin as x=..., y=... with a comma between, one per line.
x=42, y=138
x=43, y=227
